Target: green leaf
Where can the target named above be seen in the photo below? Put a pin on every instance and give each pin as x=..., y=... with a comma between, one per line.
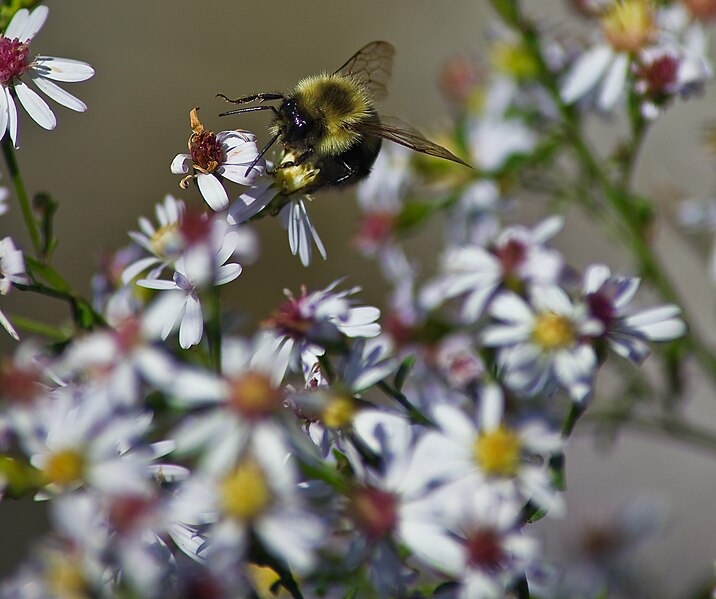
x=37, y=270
x=403, y=371
x=46, y=207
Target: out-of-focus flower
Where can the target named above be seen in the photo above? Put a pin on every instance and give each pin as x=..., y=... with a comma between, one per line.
x=215, y=157
x=16, y=65
x=545, y=342
x=628, y=331
x=628, y=27
x=12, y=270
x=304, y=323
x=164, y=243
x=257, y=494
x=516, y=258
x=210, y=244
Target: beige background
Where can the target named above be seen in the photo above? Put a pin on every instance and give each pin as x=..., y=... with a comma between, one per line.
x=155, y=60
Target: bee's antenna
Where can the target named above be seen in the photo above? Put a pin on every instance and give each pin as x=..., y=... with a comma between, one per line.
x=262, y=97
x=249, y=109
x=265, y=149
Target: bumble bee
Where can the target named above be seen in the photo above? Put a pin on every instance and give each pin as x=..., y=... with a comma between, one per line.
x=328, y=126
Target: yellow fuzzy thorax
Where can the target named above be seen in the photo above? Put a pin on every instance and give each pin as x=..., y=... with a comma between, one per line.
x=338, y=103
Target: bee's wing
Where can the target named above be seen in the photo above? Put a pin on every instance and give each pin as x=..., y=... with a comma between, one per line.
x=394, y=129
x=372, y=65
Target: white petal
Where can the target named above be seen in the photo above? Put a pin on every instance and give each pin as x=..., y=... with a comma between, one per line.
x=227, y=273
x=36, y=107
x=614, y=83
x=585, y=73
x=212, y=191
x=7, y=325
x=34, y=23
x=62, y=69
x=192, y=324
x=180, y=164
x=4, y=113
x=59, y=95
x=12, y=117
x=17, y=24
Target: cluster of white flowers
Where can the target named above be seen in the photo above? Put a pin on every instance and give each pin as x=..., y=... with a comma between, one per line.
x=333, y=451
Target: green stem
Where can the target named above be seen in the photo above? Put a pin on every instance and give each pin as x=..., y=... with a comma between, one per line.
x=30, y=325
x=415, y=415
x=22, y=197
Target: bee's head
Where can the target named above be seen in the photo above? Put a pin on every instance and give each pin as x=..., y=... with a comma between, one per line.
x=294, y=125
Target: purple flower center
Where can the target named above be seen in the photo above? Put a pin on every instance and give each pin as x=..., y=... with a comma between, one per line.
x=659, y=75
x=376, y=511
x=485, y=552
x=13, y=59
x=511, y=255
x=602, y=307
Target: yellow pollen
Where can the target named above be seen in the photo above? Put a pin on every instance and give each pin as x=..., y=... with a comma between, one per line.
x=629, y=25
x=294, y=178
x=553, y=331
x=64, y=579
x=252, y=394
x=339, y=412
x=65, y=467
x=264, y=578
x=498, y=452
x=245, y=493
x=513, y=60
x=165, y=239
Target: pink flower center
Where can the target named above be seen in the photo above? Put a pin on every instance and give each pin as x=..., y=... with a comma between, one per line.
x=375, y=511
x=206, y=152
x=511, y=255
x=659, y=75
x=602, y=307
x=375, y=229
x=14, y=61
x=485, y=552
x=289, y=320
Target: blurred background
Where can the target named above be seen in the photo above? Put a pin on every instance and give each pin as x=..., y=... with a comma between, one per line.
x=154, y=61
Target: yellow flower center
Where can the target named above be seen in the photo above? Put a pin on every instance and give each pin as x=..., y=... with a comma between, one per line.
x=64, y=578
x=264, y=578
x=513, y=59
x=498, y=452
x=629, y=25
x=553, y=331
x=245, y=493
x=65, y=467
x=253, y=395
x=166, y=240
x=339, y=412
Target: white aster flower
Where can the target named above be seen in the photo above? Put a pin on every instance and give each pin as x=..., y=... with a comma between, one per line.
x=256, y=494
x=544, y=343
x=215, y=157
x=202, y=265
x=627, y=332
x=394, y=501
x=118, y=360
x=16, y=66
x=488, y=551
x=304, y=323
x=164, y=243
x=281, y=192
x=487, y=452
x=518, y=256
x=78, y=441
x=628, y=27
x=12, y=270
